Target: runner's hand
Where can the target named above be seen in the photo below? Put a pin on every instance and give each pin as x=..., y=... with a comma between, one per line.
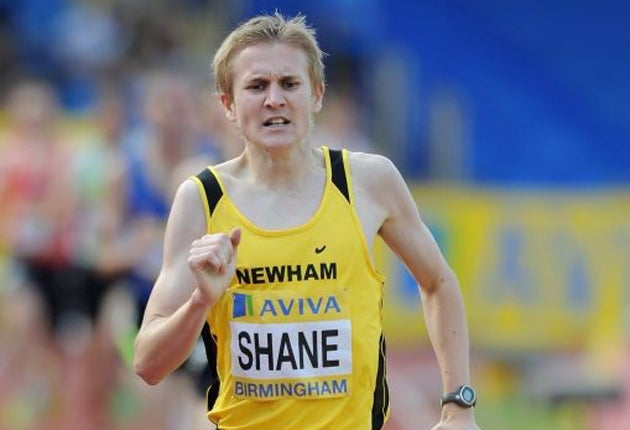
x=212, y=260
x=456, y=418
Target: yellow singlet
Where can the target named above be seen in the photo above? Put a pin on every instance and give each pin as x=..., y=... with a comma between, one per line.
x=297, y=338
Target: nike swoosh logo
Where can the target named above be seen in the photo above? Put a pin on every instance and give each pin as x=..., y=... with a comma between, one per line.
x=320, y=250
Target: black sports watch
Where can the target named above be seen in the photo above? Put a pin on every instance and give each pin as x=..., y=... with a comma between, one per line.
x=464, y=396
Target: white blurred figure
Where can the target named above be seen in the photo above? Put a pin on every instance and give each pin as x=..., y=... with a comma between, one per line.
x=338, y=125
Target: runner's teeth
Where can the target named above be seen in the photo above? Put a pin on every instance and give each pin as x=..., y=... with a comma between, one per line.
x=277, y=121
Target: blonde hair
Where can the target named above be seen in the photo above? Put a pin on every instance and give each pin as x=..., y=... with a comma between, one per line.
x=268, y=29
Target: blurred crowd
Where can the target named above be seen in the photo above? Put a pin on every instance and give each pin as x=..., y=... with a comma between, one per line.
x=81, y=227
x=79, y=45
x=102, y=118
x=84, y=203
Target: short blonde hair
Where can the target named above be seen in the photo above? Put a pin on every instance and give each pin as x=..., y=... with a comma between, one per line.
x=268, y=29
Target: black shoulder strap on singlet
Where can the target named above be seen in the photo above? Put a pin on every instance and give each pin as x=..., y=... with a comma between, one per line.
x=339, y=172
x=213, y=193
x=210, y=377
x=211, y=187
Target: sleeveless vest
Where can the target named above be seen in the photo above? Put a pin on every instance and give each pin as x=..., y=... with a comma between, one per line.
x=296, y=341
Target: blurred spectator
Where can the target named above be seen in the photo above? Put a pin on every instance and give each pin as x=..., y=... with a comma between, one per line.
x=171, y=142
x=220, y=136
x=39, y=219
x=169, y=134
x=36, y=187
x=338, y=125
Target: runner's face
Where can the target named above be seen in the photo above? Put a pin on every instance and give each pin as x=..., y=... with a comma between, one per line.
x=273, y=99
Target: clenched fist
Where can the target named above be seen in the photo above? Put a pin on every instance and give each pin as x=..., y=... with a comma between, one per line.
x=212, y=260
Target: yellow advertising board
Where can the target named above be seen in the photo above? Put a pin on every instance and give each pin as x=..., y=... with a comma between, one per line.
x=539, y=270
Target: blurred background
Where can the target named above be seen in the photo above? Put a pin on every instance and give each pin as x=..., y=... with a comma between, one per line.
x=510, y=120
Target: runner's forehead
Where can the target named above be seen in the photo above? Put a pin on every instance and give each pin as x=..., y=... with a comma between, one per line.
x=270, y=61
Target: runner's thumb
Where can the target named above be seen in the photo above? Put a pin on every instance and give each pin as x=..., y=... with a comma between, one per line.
x=235, y=237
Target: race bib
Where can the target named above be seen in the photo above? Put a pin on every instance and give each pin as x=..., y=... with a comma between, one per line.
x=287, y=345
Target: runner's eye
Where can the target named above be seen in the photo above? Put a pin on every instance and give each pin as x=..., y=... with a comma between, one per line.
x=290, y=84
x=256, y=86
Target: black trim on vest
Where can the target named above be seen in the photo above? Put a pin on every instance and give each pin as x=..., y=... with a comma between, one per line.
x=380, y=406
x=213, y=193
x=211, y=187
x=210, y=344
x=339, y=172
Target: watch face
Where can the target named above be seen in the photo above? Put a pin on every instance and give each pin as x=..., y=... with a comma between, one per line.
x=468, y=395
